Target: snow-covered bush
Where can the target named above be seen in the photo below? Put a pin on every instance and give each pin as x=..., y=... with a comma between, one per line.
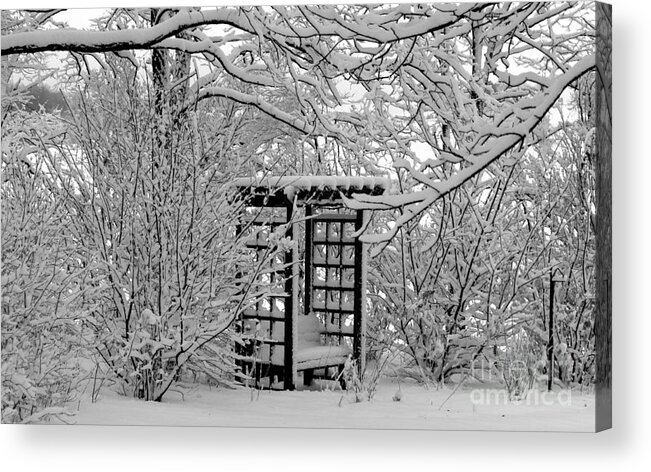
x=148, y=187
x=43, y=335
x=457, y=288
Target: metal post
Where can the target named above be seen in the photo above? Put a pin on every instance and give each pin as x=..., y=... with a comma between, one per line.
x=550, y=341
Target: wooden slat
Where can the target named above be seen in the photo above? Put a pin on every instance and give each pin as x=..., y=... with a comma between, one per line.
x=269, y=341
x=346, y=288
x=334, y=217
x=322, y=309
x=256, y=316
x=335, y=242
x=333, y=265
x=265, y=221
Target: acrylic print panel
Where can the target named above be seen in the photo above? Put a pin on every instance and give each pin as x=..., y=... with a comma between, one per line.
x=342, y=216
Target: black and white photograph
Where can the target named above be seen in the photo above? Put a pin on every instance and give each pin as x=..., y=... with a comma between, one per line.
x=324, y=235
x=314, y=236
x=369, y=216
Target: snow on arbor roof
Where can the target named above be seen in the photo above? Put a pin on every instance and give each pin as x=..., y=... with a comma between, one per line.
x=317, y=188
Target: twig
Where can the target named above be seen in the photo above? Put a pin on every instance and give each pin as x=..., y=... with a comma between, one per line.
x=454, y=391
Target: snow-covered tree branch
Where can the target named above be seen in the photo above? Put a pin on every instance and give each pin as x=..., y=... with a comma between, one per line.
x=465, y=82
x=497, y=142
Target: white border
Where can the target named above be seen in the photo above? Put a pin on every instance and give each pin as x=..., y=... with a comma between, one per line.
x=623, y=448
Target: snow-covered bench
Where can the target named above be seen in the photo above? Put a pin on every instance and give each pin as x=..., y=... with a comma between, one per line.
x=311, y=354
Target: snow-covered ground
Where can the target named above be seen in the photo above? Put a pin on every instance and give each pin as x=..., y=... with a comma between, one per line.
x=471, y=407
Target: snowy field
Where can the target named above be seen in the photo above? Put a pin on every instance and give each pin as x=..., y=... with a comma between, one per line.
x=469, y=408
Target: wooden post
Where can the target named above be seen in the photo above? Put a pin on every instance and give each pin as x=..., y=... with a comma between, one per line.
x=308, y=258
x=358, y=304
x=288, y=381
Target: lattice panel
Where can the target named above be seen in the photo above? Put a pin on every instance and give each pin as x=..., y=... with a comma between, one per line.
x=263, y=323
x=332, y=272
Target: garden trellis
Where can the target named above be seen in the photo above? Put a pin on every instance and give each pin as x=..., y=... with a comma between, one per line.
x=288, y=332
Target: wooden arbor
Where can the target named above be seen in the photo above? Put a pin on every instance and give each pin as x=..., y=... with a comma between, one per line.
x=290, y=331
